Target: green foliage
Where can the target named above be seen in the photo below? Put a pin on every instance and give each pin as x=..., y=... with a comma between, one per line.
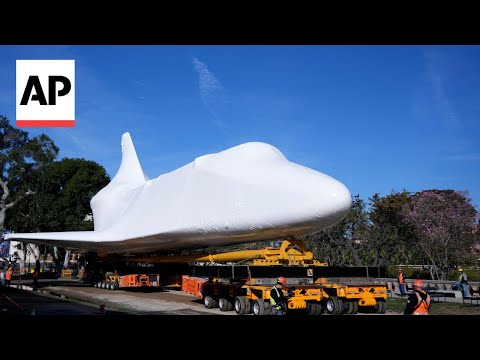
x=63, y=192
x=19, y=155
x=388, y=229
x=339, y=244
x=386, y=236
x=20, y=160
x=472, y=274
x=410, y=272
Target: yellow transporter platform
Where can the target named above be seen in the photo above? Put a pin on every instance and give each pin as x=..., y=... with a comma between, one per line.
x=253, y=296
x=342, y=296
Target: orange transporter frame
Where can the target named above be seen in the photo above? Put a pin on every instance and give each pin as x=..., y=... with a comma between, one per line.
x=140, y=280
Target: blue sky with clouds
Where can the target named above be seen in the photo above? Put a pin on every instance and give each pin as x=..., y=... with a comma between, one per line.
x=377, y=118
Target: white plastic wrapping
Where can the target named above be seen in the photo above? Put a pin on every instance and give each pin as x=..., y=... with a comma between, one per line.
x=250, y=192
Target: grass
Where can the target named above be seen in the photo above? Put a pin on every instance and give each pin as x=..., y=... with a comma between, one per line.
x=437, y=308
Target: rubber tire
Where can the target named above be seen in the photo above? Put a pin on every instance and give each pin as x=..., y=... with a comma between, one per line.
x=334, y=305
x=380, y=306
x=259, y=307
x=352, y=307
x=210, y=302
x=342, y=306
x=240, y=305
x=225, y=304
x=317, y=309
x=313, y=309
x=222, y=304
x=248, y=306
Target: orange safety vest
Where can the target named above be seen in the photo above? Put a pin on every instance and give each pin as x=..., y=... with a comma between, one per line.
x=422, y=305
x=8, y=274
x=401, y=278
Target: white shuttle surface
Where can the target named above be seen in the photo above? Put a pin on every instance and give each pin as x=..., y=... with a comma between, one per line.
x=247, y=193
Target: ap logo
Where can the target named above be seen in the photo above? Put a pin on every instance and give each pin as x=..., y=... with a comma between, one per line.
x=45, y=93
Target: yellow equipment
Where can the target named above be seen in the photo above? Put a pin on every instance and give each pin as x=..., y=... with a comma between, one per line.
x=292, y=252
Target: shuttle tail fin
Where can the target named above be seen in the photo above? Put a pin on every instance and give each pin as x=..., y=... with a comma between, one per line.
x=113, y=200
x=130, y=171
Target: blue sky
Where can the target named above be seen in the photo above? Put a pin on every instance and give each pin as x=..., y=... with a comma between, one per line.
x=377, y=118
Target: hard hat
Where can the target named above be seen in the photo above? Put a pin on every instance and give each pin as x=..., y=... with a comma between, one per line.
x=460, y=269
x=418, y=283
x=282, y=280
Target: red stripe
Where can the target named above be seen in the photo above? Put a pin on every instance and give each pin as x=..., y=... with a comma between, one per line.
x=45, y=123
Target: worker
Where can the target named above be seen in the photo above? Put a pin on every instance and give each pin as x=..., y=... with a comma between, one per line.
x=402, y=285
x=35, y=276
x=462, y=283
x=8, y=276
x=418, y=303
x=277, y=297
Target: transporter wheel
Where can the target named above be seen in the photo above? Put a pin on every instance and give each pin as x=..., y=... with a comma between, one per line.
x=104, y=285
x=311, y=309
x=225, y=304
x=352, y=307
x=222, y=304
x=240, y=305
x=248, y=306
x=314, y=309
x=210, y=302
x=380, y=306
x=259, y=307
x=341, y=308
x=334, y=305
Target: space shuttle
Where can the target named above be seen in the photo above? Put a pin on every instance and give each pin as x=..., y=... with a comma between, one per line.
x=247, y=193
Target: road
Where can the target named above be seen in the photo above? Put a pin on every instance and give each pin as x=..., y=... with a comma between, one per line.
x=73, y=297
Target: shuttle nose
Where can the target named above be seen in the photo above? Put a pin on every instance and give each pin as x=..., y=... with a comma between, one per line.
x=312, y=197
x=329, y=201
x=341, y=199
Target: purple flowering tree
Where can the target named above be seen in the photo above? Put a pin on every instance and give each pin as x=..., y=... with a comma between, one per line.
x=443, y=221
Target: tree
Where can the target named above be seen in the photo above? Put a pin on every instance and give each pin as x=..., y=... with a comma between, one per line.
x=20, y=159
x=391, y=238
x=62, y=202
x=443, y=221
x=340, y=244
